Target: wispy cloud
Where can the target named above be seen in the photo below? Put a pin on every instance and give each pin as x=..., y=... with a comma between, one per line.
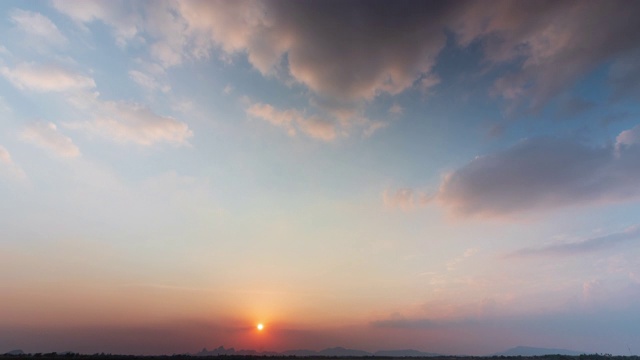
x=40, y=78
x=628, y=137
x=294, y=121
x=405, y=199
x=134, y=123
x=47, y=136
x=581, y=247
x=148, y=81
x=453, y=264
x=37, y=25
x=120, y=15
x=7, y=163
x=396, y=110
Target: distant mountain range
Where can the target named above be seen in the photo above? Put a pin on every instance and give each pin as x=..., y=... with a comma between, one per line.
x=343, y=352
x=534, y=351
x=336, y=351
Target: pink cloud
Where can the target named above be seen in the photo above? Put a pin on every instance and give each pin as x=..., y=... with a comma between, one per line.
x=293, y=121
x=37, y=25
x=134, y=123
x=9, y=166
x=45, y=78
x=47, y=136
x=405, y=199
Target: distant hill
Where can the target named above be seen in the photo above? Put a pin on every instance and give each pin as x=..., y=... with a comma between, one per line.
x=15, y=352
x=340, y=351
x=534, y=351
x=329, y=352
x=231, y=351
x=405, y=353
x=299, y=352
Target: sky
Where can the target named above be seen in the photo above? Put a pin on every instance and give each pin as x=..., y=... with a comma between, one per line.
x=455, y=177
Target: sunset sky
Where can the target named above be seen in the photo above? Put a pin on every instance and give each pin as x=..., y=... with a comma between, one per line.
x=454, y=177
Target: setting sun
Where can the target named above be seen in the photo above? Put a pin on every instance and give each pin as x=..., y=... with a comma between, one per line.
x=260, y=327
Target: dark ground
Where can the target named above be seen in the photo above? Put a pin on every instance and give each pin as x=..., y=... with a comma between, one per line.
x=54, y=356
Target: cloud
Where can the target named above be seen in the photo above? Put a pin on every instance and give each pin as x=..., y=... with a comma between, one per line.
x=37, y=25
x=329, y=46
x=5, y=157
x=123, y=122
x=537, y=174
x=541, y=173
x=547, y=41
x=134, y=123
x=629, y=137
x=453, y=264
x=624, y=77
x=7, y=164
x=574, y=107
x=47, y=136
x=396, y=110
x=40, y=78
x=293, y=121
x=347, y=53
x=581, y=247
x=405, y=199
x=147, y=81
x=121, y=15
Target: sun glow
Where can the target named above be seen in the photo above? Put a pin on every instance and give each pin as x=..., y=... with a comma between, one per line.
x=260, y=327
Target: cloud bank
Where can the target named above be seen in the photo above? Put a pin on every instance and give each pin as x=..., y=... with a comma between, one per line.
x=553, y=43
x=349, y=52
x=536, y=174
x=541, y=173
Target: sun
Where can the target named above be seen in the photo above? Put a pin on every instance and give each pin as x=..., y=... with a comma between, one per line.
x=260, y=327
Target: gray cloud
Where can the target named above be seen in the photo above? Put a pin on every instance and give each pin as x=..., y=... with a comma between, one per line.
x=543, y=173
x=346, y=53
x=625, y=77
x=553, y=42
x=581, y=247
